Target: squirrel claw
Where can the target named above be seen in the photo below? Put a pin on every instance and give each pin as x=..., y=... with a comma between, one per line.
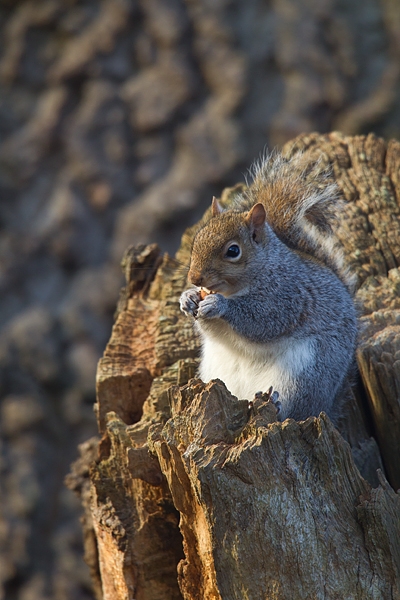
x=271, y=396
x=277, y=403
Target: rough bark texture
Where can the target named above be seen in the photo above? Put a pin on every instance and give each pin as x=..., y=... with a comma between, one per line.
x=119, y=119
x=272, y=510
x=208, y=497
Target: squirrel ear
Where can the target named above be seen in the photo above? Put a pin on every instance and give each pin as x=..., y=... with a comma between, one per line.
x=256, y=219
x=216, y=208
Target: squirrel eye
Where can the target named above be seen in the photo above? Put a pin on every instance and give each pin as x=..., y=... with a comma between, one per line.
x=233, y=251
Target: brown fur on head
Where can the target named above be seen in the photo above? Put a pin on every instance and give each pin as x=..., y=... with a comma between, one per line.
x=213, y=262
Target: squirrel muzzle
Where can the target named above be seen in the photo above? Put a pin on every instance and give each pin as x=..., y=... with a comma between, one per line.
x=195, y=278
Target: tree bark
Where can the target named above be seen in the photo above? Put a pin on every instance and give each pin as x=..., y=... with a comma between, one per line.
x=195, y=494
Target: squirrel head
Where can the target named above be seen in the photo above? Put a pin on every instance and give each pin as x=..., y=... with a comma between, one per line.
x=224, y=248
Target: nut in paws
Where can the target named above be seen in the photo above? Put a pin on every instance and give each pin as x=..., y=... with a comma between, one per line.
x=189, y=302
x=213, y=305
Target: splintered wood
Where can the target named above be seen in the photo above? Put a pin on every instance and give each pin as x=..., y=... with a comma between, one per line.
x=258, y=501
x=198, y=495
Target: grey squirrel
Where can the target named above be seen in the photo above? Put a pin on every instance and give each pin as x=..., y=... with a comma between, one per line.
x=272, y=300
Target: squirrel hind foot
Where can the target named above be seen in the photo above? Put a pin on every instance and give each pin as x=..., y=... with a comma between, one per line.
x=270, y=396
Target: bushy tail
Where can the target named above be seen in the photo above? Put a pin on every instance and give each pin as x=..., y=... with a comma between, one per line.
x=302, y=202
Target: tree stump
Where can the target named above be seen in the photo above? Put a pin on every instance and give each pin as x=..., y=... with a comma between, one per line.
x=195, y=494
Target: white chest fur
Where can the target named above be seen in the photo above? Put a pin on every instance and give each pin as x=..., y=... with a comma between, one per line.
x=247, y=367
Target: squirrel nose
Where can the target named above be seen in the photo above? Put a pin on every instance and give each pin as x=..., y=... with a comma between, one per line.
x=195, y=278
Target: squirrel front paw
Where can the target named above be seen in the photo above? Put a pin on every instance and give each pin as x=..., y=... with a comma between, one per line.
x=213, y=305
x=189, y=302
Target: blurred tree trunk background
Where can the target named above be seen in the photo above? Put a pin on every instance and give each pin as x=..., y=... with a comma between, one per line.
x=118, y=121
